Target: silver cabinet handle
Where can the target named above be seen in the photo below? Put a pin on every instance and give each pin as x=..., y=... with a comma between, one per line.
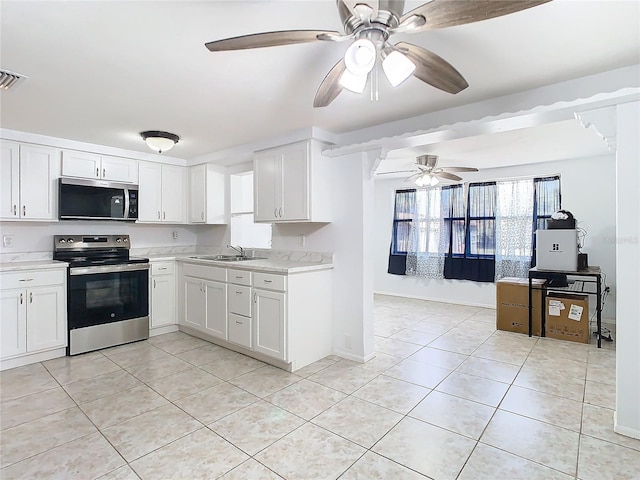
x=154, y=283
x=158, y=214
x=275, y=213
x=239, y=276
x=280, y=212
x=15, y=210
x=239, y=323
x=97, y=172
x=24, y=210
x=20, y=299
x=164, y=215
x=26, y=280
x=238, y=293
x=267, y=281
x=104, y=172
x=255, y=297
x=202, y=216
x=162, y=268
x=30, y=297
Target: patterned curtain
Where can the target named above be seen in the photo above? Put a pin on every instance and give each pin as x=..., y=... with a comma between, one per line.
x=429, y=236
x=514, y=227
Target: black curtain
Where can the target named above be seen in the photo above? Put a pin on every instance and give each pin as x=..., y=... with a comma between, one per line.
x=404, y=208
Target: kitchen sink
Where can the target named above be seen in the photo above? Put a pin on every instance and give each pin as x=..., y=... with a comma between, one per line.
x=227, y=258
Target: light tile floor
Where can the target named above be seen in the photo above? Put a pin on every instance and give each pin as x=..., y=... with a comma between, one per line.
x=447, y=397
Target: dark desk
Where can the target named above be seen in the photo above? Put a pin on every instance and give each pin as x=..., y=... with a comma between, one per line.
x=596, y=280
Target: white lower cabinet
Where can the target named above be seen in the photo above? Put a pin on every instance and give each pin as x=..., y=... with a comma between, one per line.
x=163, y=295
x=205, y=300
x=33, y=312
x=282, y=319
x=269, y=323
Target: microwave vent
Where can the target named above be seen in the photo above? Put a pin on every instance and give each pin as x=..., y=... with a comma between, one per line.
x=10, y=79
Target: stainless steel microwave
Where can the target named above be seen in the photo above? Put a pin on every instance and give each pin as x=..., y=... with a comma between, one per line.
x=81, y=199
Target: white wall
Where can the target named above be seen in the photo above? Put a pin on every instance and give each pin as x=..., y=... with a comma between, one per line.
x=588, y=191
x=38, y=237
x=627, y=418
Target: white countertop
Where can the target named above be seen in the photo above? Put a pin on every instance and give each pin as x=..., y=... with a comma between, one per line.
x=33, y=265
x=262, y=265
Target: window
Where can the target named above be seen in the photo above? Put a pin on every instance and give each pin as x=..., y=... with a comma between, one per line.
x=402, y=217
x=437, y=235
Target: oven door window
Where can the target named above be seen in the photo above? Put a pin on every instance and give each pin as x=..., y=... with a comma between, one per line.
x=100, y=298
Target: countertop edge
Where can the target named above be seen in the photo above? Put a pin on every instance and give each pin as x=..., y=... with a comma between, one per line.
x=32, y=265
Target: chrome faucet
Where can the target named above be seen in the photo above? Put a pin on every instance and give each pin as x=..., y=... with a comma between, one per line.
x=240, y=250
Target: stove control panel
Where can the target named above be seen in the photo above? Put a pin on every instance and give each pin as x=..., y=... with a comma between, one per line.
x=89, y=242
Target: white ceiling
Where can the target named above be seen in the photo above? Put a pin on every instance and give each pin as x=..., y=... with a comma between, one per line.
x=100, y=72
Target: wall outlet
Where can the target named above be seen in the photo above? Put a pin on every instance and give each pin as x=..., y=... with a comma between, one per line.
x=174, y=235
x=7, y=240
x=347, y=342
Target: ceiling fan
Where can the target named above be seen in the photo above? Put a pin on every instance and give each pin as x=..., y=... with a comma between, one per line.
x=370, y=23
x=428, y=173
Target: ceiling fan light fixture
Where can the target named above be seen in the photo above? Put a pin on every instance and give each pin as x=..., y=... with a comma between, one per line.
x=159, y=141
x=360, y=57
x=397, y=67
x=352, y=82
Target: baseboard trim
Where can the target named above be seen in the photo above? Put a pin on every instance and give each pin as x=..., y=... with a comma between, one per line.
x=32, y=358
x=626, y=431
x=162, y=330
x=434, y=299
x=353, y=357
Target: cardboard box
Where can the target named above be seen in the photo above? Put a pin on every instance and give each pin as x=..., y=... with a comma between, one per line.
x=567, y=317
x=512, y=305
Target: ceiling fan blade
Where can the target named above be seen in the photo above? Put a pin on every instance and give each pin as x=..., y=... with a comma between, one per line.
x=449, y=176
x=268, y=39
x=433, y=69
x=397, y=171
x=460, y=169
x=330, y=87
x=448, y=13
x=411, y=176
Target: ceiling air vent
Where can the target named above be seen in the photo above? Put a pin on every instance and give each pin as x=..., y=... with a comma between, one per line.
x=10, y=79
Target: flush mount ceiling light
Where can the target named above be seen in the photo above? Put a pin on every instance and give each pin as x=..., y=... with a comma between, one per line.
x=159, y=141
x=371, y=23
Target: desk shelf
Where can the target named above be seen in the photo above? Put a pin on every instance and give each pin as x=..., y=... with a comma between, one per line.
x=590, y=284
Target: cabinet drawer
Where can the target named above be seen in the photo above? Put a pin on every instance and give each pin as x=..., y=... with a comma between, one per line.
x=206, y=272
x=239, y=300
x=270, y=281
x=240, y=330
x=239, y=277
x=162, y=268
x=29, y=279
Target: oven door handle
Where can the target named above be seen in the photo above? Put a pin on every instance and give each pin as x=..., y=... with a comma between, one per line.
x=108, y=269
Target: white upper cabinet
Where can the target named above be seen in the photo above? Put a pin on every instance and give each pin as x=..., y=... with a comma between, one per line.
x=206, y=195
x=292, y=183
x=161, y=193
x=99, y=167
x=29, y=189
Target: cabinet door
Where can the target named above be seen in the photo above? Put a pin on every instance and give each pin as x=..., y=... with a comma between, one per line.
x=38, y=173
x=80, y=164
x=269, y=323
x=197, y=192
x=295, y=182
x=13, y=323
x=46, y=318
x=216, y=323
x=266, y=186
x=9, y=180
x=163, y=300
x=149, y=193
x=119, y=169
x=172, y=194
x=195, y=307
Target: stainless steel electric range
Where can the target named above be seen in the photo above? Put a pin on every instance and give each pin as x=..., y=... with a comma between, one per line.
x=107, y=291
